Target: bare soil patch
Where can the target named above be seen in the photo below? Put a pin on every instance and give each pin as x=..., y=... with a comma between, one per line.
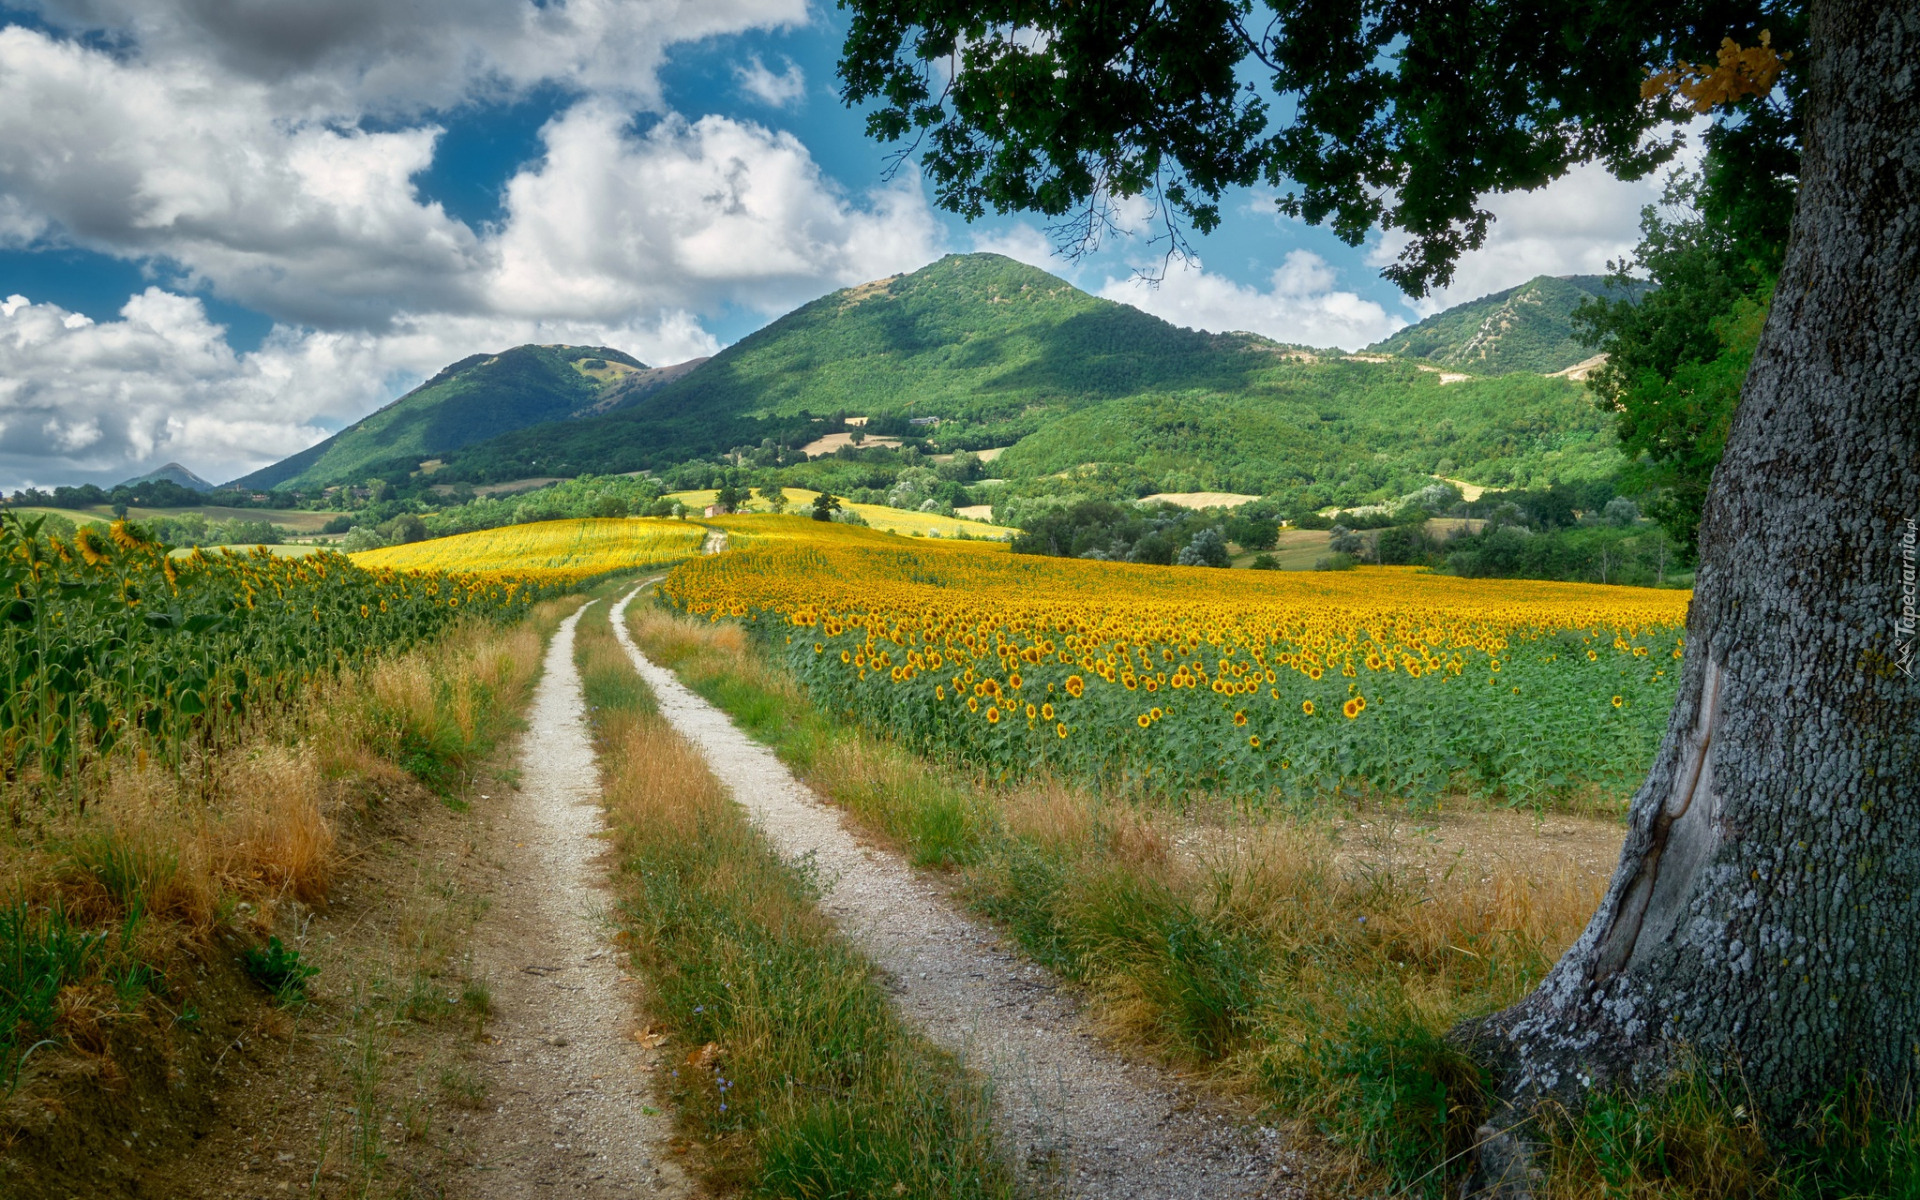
x=1484, y=841
x=1200, y=499
x=828, y=443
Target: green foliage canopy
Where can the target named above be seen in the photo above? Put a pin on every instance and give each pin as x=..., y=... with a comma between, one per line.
x=1378, y=114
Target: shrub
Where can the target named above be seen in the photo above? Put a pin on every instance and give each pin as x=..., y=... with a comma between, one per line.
x=361, y=538
x=1207, y=549
x=279, y=970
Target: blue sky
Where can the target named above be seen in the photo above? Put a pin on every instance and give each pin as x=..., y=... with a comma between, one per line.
x=226, y=231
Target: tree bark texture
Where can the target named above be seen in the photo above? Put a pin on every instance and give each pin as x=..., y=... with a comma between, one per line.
x=1765, y=915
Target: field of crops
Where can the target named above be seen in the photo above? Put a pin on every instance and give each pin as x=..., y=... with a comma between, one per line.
x=1255, y=683
x=877, y=516
x=560, y=552
x=108, y=643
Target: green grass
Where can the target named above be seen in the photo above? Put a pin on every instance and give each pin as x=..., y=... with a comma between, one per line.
x=43, y=952
x=279, y=970
x=793, y=1074
x=1325, y=992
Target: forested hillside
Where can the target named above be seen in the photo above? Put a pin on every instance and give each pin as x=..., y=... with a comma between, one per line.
x=979, y=351
x=988, y=347
x=476, y=398
x=1525, y=328
x=1347, y=428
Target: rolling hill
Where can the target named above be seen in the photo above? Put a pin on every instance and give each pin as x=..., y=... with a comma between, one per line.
x=978, y=351
x=173, y=473
x=479, y=397
x=988, y=347
x=1003, y=354
x=1525, y=328
x=1344, y=428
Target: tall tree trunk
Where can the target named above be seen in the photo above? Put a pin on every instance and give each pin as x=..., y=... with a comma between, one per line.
x=1766, y=911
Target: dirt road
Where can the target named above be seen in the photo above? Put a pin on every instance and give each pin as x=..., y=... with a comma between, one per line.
x=570, y=1081
x=1073, y=1113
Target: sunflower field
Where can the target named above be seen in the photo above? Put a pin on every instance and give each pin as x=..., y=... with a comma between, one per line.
x=560, y=552
x=1253, y=683
x=109, y=643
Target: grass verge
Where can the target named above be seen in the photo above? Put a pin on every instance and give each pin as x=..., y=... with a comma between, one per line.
x=1323, y=985
x=168, y=908
x=796, y=1077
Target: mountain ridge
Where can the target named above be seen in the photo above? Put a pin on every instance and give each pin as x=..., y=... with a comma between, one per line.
x=172, y=472
x=983, y=343
x=981, y=351
x=1528, y=327
x=475, y=398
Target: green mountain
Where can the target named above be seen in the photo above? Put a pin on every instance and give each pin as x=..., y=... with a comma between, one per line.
x=979, y=351
x=990, y=348
x=1525, y=328
x=479, y=397
x=1001, y=354
x=173, y=473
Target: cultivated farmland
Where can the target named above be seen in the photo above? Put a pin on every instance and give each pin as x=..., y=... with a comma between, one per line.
x=559, y=552
x=1294, y=685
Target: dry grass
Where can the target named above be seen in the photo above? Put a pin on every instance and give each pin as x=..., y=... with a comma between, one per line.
x=799, y=1079
x=132, y=889
x=1252, y=948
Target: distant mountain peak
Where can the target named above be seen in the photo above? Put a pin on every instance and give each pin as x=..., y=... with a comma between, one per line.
x=173, y=472
x=1528, y=327
x=479, y=397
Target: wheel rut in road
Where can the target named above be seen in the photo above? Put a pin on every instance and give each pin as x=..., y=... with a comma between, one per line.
x=570, y=1083
x=1073, y=1114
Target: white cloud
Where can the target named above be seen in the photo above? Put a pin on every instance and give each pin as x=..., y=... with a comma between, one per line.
x=1023, y=243
x=1573, y=226
x=102, y=401
x=302, y=221
x=1299, y=305
x=318, y=226
x=224, y=146
x=340, y=57
x=783, y=90
x=692, y=214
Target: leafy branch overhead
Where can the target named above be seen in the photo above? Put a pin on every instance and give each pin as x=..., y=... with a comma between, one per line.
x=1374, y=114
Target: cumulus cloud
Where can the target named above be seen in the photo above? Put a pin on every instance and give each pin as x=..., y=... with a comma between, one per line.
x=101, y=401
x=305, y=221
x=692, y=214
x=1301, y=303
x=616, y=235
x=1021, y=242
x=785, y=89
x=321, y=226
x=1573, y=226
x=268, y=155
x=335, y=57
x=78, y=397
